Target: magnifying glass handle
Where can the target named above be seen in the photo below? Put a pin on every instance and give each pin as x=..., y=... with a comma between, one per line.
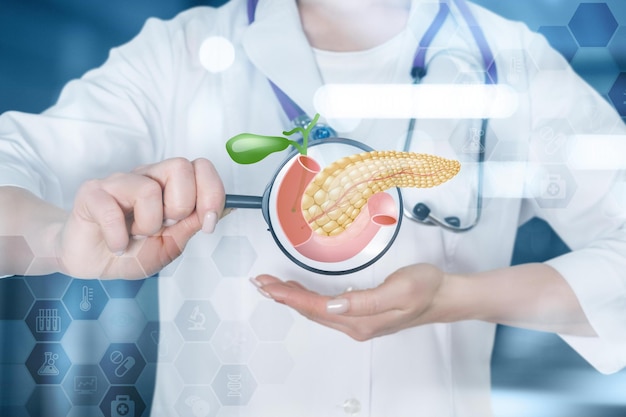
x=243, y=201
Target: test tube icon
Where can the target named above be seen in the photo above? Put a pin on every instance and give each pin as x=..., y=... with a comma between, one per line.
x=48, y=321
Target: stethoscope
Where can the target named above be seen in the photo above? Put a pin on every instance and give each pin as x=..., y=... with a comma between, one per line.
x=322, y=134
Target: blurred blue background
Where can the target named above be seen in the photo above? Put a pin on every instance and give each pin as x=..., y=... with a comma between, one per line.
x=45, y=43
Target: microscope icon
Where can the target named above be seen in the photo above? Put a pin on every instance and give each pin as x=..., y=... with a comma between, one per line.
x=196, y=319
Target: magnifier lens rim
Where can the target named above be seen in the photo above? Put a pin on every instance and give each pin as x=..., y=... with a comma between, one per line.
x=303, y=263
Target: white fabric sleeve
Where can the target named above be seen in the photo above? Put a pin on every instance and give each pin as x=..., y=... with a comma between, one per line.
x=109, y=120
x=592, y=220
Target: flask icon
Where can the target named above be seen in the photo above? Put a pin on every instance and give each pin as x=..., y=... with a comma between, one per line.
x=48, y=367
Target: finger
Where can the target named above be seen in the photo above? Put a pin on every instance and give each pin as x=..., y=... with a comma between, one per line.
x=97, y=206
x=210, y=194
x=308, y=303
x=139, y=195
x=315, y=307
x=394, y=294
x=177, y=179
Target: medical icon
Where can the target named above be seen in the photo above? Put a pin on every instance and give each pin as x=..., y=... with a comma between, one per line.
x=48, y=321
x=85, y=385
x=324, y=216
x=122, y=401
x=474, y=144
x=552, y=141
x=48, y=367
x=553, y=187
x=122, y=406
x=196, y=320
x=199, y=407
x=234, y=385
x=87, y=298
x=48, y=363
x=124, y=363
x=516, y=68
x=161, y=342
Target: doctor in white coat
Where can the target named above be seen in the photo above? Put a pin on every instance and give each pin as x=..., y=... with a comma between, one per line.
x=117, y=178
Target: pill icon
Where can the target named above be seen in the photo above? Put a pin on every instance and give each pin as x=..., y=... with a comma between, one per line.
x=126, y=365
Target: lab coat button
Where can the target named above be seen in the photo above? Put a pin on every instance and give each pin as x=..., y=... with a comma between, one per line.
x=351, y=406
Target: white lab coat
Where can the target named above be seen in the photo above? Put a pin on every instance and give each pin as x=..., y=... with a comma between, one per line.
x=153, y=100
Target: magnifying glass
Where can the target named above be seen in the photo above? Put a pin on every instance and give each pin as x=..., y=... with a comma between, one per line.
x=325, y=250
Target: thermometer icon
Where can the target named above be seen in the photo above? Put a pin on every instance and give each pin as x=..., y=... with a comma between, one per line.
x=85, y=304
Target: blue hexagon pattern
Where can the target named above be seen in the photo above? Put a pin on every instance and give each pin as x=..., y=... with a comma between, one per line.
x=593, y=24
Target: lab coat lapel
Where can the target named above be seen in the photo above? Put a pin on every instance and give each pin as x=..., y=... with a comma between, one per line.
x=277, y=46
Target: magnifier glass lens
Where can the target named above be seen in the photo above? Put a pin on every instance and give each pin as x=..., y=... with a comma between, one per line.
x=337, y=254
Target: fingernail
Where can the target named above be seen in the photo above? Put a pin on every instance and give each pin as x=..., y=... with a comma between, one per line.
x=259, y=288
x=210, y=220
x=119, y=253
x=337, y=306
x=169, y=222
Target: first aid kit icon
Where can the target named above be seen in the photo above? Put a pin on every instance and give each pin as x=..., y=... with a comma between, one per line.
x=122, y=406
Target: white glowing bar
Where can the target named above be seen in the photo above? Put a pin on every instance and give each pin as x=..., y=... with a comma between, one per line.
x=598, y=152
x=428, y=101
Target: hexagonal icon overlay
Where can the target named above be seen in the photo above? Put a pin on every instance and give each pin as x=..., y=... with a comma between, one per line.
x=197, y=364
x=85, y=299
x=48, y=286
x=48, y=320
x=234, y=385
x=553, y=186
x=48, y=401
x=16, y=248
x=617, y=94
x=552, y=140
x=122, y=288
x=197, y=320
x=48, y=363
x=512, y=67
x=593, y=24
x=122, y=363
x=234, y=342
x=17, y=341
x=271, y=321
x=561, y=39
x=616, y=47
x=16, y=290
x=122, y=320
x=122, y=401
x=197, y=401
x=85, y=384
x=160, y=342
x=16, y=384
x=234, y=256
x=271, y=363
x=196, y=277
x=85, y=341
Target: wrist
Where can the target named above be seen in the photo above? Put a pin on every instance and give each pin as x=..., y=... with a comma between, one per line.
x=454, y=299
